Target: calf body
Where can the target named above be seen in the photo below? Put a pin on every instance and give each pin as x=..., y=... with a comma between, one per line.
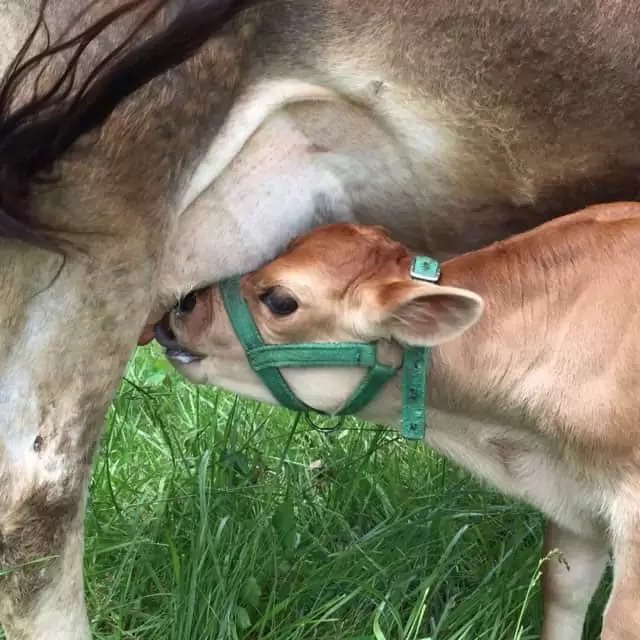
x=534, y=372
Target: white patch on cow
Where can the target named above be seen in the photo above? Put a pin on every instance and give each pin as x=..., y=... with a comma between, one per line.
x=246, y=116
x=44, y=324
x=273, y=191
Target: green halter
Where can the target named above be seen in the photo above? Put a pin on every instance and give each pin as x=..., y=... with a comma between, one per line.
x=267, y=360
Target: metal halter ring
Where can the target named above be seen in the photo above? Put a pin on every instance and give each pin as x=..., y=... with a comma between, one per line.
x=315, y=427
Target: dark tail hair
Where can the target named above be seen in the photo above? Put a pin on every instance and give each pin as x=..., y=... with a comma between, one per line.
x=36, y=134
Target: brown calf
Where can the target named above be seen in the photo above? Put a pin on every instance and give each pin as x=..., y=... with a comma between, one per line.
x=537, y=392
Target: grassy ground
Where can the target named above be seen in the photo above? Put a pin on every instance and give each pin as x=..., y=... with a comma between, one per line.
x=214, y=518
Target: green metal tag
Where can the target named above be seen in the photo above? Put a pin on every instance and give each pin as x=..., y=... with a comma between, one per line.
x=425, y=268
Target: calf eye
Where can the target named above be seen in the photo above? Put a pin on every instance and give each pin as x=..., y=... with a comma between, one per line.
x=279, y=302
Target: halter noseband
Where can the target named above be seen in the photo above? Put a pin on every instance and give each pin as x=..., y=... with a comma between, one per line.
x=267, y=360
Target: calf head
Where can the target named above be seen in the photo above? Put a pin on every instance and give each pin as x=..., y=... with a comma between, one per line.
x=337, y=283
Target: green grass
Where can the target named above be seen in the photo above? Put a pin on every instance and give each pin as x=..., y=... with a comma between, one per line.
x=216, y=518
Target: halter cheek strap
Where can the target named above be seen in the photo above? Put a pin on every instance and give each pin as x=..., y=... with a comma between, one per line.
x=267, y=360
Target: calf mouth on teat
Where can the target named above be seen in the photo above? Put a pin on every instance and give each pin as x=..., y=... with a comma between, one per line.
x=166, y=337
x=174, y=351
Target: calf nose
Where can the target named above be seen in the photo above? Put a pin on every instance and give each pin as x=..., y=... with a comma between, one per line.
x=164, y=335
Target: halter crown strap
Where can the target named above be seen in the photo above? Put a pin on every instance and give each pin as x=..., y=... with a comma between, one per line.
x=250, y=339
x=267, y=360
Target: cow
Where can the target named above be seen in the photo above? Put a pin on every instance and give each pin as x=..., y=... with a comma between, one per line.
x=150, y=147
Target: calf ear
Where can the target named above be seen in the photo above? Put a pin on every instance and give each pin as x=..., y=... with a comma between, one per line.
x=423, y=314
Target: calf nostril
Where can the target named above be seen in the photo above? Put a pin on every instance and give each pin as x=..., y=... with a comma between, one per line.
x=188, y=303
x=164, y=334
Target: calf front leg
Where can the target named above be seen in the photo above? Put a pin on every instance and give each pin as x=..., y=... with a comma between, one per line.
x=569, y=581
x=622, y=615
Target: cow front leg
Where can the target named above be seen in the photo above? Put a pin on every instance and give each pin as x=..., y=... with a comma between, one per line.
x=41, y=546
